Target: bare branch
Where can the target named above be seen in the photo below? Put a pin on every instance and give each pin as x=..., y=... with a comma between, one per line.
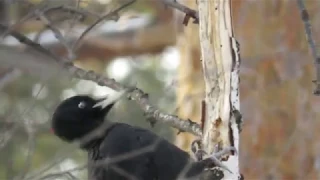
x=57, y=33
x=8, y=76
x=137, y=94
x=30, y=154
x=111, y=14
x=189, y=12
x=30, y=15
x=15, y=125
x=42, y=15
x=79, y=11
x=307, y=26
x=62, y=173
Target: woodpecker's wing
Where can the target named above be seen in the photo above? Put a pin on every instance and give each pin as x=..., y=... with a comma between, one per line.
x=127, y=147
x=141, y=153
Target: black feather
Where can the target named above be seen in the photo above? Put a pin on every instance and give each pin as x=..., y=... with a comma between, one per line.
x=163, y=161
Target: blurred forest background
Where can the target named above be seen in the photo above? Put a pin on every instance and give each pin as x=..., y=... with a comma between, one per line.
x=149, y=47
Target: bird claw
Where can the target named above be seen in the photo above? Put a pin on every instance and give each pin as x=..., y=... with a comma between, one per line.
x=196, y=149
x=225, y=151
x=216, y=156
x=199, y=154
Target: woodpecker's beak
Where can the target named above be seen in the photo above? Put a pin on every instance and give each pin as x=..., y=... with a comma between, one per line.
x=109, y=99
x=102, y=102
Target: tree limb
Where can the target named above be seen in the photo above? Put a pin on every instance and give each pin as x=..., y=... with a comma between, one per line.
x=307, y=26
x=189, y=12
x=137, y=94
x=104, y=17
x=106, y=43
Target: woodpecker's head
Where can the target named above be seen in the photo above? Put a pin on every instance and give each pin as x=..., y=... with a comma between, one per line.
x=77, y=116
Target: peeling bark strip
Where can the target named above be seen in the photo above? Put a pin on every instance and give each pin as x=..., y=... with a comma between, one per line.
x=221, y=61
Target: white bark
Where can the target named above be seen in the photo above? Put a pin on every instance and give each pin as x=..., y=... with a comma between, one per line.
x=220, y=60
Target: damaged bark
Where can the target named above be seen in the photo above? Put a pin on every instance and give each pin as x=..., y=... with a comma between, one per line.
x=220, y=62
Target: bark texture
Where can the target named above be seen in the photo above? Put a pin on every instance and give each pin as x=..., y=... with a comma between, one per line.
x=220, y=61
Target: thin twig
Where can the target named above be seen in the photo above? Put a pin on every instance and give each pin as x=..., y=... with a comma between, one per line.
x=16, y=124
x=189, y=12
x=30, y=15
x=56, y=33
x=9, y=76
x=78, y=11
x=307, y=26
x=108, y=15
x=62, y=173
x=30, y=155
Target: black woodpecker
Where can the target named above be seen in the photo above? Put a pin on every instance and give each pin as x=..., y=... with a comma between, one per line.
x=119, y=151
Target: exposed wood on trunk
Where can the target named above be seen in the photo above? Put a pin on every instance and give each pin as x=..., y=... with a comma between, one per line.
x=220, y=61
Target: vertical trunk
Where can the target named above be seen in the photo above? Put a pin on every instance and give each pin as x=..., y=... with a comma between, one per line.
x=220, y=61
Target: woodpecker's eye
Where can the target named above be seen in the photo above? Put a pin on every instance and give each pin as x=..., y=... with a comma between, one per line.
x=82, y=105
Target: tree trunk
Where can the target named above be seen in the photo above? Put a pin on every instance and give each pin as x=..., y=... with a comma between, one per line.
x=220, y=61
